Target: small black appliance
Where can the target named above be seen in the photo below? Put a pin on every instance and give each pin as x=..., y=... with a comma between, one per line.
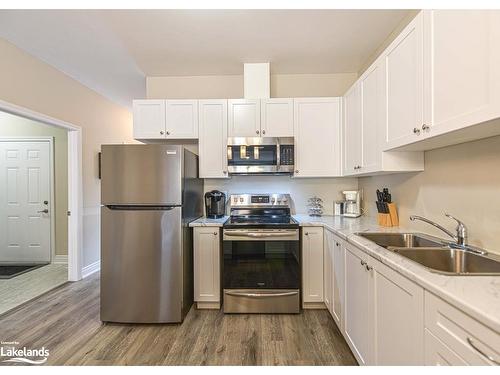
x=215, y=204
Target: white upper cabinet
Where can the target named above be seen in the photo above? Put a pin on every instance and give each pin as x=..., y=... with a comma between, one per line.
x=244, y=118
x=404, y=85
x=149, y=119
x=372, y=107
x=276, y=117
x=182, y=119
x=317, y=137
x=353, y=138
x=213, y=138
x=462, y=68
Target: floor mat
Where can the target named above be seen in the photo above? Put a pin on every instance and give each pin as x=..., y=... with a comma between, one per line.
x=10, y=271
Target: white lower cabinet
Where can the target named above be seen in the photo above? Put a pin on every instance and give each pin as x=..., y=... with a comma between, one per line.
x=383, y=318
x=461, y=340
x=333, y=274
x=207, y=267
x=358, y=325
x=399, y=318
x=312, y=265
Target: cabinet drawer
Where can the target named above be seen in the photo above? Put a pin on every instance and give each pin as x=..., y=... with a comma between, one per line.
x=469, y=339
x=438, y=354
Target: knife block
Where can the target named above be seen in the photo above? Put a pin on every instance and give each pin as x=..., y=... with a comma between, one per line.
x=391, y=219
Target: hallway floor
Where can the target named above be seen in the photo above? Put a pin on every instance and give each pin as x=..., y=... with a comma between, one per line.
x=22, y=288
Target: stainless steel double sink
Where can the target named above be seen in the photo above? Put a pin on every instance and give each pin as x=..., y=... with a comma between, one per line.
x=435, y=254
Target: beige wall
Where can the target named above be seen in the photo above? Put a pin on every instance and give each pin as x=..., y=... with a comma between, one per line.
x=14, y=126
x=29, y=82
x=231, y=87
x=462, y=180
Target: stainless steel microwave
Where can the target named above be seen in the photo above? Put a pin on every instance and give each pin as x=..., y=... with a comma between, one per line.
x=260, y=155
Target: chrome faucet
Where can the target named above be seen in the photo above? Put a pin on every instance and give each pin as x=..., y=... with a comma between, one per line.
x=460, y=237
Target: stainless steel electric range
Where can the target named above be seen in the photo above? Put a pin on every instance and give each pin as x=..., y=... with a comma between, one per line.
x=261, y=255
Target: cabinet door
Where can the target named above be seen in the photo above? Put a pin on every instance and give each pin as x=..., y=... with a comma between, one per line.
x=244, y=118
x=276, y=117
x=149, y=119
x=352, y=130
x=182, y=119
x=213, y=138
x=338, y=260
x=372, y=104
x=399, y=314
x=312, y=261
x=328, y=248
x=317, y=137
x=462, y=70
x=438, y=354
x=404, y=86
x=206, y=264
x=358, y=318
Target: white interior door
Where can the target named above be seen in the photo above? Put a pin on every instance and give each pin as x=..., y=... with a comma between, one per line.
x=24, y=196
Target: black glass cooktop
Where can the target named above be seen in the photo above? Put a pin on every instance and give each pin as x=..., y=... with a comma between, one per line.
x=262, y=221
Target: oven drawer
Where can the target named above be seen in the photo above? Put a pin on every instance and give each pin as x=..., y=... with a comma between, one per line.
x=262, y=301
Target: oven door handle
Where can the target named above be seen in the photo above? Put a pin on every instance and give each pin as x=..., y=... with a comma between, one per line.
x=261, y=295
x=259, y=235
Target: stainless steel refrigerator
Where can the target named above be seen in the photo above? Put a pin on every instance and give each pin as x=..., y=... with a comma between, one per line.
x=149, y=194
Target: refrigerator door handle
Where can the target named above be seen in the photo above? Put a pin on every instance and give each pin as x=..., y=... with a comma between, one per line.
x=123, y=207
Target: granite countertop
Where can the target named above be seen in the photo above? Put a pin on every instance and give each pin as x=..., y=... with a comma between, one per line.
x=478, y=296
x=205, y=222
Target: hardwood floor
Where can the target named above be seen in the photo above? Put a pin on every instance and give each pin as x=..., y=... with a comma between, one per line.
x=66, y=321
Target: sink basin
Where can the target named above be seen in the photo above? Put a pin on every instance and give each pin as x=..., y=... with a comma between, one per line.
x=408, y=240
x=451, y=261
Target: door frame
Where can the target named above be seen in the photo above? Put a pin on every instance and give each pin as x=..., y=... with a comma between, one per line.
x=75, y=190
x=50, y=141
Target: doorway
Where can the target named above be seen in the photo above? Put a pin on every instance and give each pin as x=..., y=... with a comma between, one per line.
x=40, y=164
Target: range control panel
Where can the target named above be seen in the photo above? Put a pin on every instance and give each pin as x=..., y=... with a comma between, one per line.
x=259, y=200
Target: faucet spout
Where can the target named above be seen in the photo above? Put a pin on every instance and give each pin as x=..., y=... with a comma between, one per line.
x=460, y=237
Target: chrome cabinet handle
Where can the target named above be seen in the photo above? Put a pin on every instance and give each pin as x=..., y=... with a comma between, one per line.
x=225, y=172
x=307, y=233
x=337, y=244
x=162, y=132
x=168, y=133
x=363, y=263
x=471, y=343
x=263, y=132
x=416, y=131
x=215, y=233
x=257, y=131
x=46, y=211
x=261, y=295
x=368, y=268
x=425, y=127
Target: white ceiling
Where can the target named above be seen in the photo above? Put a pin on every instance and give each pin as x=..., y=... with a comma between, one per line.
x=111, y=51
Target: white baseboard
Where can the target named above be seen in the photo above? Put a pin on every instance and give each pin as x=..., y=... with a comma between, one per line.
x=91, y=268
x=60, y=259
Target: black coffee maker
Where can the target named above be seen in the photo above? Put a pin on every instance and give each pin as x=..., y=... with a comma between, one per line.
x=215, y=204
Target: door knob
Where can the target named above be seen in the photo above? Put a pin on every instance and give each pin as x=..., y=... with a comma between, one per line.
x=46, y=211
x=416, y=131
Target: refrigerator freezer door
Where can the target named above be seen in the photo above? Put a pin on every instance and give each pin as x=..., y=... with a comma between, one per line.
x=141, y=265
x=141, y=174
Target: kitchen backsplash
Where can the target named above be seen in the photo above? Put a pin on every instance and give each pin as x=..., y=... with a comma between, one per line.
x=328, y=189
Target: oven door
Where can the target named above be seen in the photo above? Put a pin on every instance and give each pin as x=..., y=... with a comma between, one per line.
x=261, y=270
